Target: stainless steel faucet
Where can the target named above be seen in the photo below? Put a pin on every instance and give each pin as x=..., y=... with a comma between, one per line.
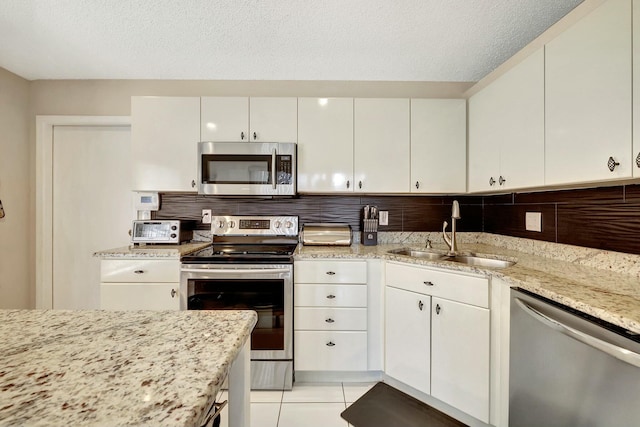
x=451, y=241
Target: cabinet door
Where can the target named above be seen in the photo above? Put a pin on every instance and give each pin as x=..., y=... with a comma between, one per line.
x=407, y=338
x=139, y=296
x=484, y=139
x=438, y=146
x=164, y=142
x=273, y=119
x=382, y=149
x=224, y=119
x=588, y=98
x=636, y=89
x=325, y=145
x=460, y=356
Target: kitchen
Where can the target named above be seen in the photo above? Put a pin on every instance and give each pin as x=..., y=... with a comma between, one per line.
x=499, y=214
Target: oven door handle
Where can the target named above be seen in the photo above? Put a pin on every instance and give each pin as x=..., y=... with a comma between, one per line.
x=236, y=271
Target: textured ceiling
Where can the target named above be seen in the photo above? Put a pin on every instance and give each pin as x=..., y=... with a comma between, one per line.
x=391, y=40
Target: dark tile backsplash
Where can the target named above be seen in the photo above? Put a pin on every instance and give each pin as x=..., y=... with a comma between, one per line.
x=603, y=218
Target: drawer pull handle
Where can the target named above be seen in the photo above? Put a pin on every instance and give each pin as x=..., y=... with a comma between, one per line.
x=173, y=293
x=331, y=296
x=331, y=273
x=329, y=320
x=330, y=344
x=139, y=271
x=428, y=283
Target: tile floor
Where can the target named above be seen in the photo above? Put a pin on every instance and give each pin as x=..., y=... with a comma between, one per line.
x=307, y=405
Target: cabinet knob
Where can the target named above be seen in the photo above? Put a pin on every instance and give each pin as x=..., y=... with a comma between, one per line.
x=193, y=183
x=331, y=296
x=612, y=163
x=330, y=344
x=438, y=308
x=329, y=320
x=242, y=136
x=420, y=305
x=255, y=136
x=417, y=184
x=331, y=273
x=428, y=283
x=359, y=184
x=173, y=293
x=501, y=180
x=349, y=183
x=638, y=160
x=139, y=271
x=491, y=181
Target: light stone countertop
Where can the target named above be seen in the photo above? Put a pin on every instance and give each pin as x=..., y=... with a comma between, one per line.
x=115, y=368
x=599, y=291
x=152, y=251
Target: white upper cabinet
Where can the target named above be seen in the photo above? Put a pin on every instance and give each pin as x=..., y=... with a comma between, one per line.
x=273, y=119
x=636, y=89
x=506, y=129
x=382, y=145
x=438, y=146
x=164, y=142
x=230, y=119
x=325, y=145
x=588, y=98
x=224, y=119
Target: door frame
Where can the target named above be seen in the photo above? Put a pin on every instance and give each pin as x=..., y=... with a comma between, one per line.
x=44, y=195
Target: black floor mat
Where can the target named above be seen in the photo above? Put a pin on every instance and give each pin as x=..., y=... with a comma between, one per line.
x=384, y=406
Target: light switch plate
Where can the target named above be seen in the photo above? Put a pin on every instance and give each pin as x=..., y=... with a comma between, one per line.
x=533, y=221
x=384, y=218
x=206, y=216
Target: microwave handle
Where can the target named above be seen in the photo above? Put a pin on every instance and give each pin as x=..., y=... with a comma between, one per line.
x=273, y=169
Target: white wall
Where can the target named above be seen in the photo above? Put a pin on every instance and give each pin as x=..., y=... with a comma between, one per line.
x=16, y=228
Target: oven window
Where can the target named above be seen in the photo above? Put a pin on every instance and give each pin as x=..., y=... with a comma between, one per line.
x=233, y=169
x=266, y=297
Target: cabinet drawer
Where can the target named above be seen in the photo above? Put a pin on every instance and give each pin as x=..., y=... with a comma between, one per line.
x=457, y=287
x=329, y=271
x=330, y=319
x=330, y=351
x=139, y=296
x=330, y=296
x=140, y=271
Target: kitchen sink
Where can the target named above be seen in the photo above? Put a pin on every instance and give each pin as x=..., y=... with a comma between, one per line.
x=417, y=253
x=480, y=261
x=465, y=258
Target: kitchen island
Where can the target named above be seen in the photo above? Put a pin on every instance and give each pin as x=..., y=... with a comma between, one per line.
x=108, y=368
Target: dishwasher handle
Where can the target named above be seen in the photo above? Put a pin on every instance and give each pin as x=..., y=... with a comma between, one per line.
x=621, y=353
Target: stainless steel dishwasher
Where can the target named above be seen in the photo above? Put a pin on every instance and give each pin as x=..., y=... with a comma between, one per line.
x=567, y=369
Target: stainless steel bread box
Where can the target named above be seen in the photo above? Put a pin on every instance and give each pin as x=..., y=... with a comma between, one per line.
x=326, y=234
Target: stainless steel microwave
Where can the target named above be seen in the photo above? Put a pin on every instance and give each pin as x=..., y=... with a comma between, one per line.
x=247, y=168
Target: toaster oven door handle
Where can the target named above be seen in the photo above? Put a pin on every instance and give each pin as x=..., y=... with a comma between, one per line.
x=273, y=169
x=236, y=271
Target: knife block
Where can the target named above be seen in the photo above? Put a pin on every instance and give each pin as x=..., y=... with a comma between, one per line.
x=369, y=234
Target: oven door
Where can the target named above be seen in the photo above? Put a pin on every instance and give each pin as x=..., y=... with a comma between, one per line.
x=266, y=289
x=231, y=168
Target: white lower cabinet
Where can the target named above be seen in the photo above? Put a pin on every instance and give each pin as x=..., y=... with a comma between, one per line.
x=407, y=337
x=460, y=356
x=139, y=284
x=330, y=315
x=437, y=335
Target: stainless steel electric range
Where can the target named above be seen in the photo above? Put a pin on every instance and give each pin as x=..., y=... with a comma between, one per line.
x=250, y=266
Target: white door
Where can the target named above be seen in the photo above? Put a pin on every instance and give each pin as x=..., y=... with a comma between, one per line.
x=91, y=208
x=273, y=119
x=224, y=119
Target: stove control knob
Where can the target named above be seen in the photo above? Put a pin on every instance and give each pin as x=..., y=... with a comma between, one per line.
x=277, y=224
x=232, y=224
x=221, y=224
x=288, y=224
x=173, y=235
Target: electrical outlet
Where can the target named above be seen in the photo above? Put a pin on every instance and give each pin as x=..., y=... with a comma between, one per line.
x=533, y=221
x=206, y=216
x=384, y=218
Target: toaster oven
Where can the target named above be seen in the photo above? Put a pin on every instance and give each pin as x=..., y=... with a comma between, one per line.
x=161, y=231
